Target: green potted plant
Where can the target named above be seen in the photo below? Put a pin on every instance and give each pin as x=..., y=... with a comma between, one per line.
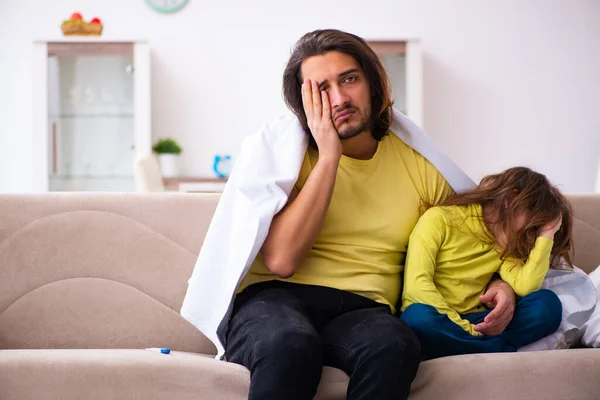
x=168, y=151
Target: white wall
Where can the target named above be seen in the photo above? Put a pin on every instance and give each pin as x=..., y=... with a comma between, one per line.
x=506, y=82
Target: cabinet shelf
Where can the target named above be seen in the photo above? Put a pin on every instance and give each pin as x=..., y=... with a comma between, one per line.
x=69, y=177
x=71, y=116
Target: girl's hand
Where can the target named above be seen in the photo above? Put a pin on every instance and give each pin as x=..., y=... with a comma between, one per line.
x=550, y=229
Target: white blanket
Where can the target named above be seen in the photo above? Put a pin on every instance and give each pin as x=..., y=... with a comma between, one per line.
x=591, y=329
x=260, y=183
x=577, y=294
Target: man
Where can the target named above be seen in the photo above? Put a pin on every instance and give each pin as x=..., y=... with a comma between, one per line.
x=324, y=287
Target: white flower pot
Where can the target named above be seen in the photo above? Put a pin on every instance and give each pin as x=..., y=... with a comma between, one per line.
x=169, y=165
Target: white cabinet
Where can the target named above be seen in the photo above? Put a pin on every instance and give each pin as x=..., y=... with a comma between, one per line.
x=402, y=60
x=91, y=114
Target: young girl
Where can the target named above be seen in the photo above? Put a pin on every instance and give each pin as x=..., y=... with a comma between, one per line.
x=513, y=224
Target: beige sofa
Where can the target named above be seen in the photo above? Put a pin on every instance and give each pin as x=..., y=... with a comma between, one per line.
x=87, y=281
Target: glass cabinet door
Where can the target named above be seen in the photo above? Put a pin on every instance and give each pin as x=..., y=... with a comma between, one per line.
x=90, y=117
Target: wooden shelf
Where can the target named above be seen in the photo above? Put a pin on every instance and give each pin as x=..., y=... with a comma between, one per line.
x=388, y=47
x=173, y=183
x=89, y=48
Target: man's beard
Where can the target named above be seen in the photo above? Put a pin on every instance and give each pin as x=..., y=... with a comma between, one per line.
x=350, y=131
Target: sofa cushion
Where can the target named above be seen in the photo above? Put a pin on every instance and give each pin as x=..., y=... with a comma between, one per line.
x=118, y=374
x=90, y=270
x=80, y=313
x=141, y=374
x=540, y=375
x=586, y=230
x=132, y=374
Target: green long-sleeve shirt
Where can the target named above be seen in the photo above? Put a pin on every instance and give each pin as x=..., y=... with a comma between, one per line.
x=451, y=258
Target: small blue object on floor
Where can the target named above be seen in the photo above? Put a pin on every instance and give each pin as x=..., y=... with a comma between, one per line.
x=163, y=350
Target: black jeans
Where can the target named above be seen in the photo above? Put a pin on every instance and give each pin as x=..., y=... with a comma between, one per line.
x=284, y=333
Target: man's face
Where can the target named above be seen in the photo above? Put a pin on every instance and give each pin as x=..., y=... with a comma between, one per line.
x=343, y=79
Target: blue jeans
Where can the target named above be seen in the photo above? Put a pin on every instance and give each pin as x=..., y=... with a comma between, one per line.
x=284, y=333
x=536, y=316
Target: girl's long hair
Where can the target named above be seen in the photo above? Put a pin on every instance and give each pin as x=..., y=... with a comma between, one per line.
x=519, y=190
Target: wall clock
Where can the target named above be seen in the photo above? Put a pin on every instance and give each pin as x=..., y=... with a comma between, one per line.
x=166, y=6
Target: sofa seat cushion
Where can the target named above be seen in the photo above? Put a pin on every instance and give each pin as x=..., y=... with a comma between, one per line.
x=142, y=374
x=538, y=375
x=131, y=374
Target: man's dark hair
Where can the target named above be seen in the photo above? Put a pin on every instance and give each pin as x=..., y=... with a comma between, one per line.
x=323, y=41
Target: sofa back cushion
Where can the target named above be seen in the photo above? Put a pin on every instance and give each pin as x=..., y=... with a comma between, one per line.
x=82, y=270
x=586, y=230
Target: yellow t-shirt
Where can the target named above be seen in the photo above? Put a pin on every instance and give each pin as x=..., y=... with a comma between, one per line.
x=375, y=205
x=452, y=257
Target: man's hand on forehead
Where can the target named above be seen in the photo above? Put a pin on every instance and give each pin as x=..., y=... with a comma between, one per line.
x=318, y=115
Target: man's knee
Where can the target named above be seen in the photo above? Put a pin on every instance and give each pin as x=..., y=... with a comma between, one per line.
x=289, y=342
x=396, y=344
x=284, y=357
x=272, y=331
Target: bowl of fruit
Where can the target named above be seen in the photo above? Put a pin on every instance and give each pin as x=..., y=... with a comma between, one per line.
x=77, y=26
